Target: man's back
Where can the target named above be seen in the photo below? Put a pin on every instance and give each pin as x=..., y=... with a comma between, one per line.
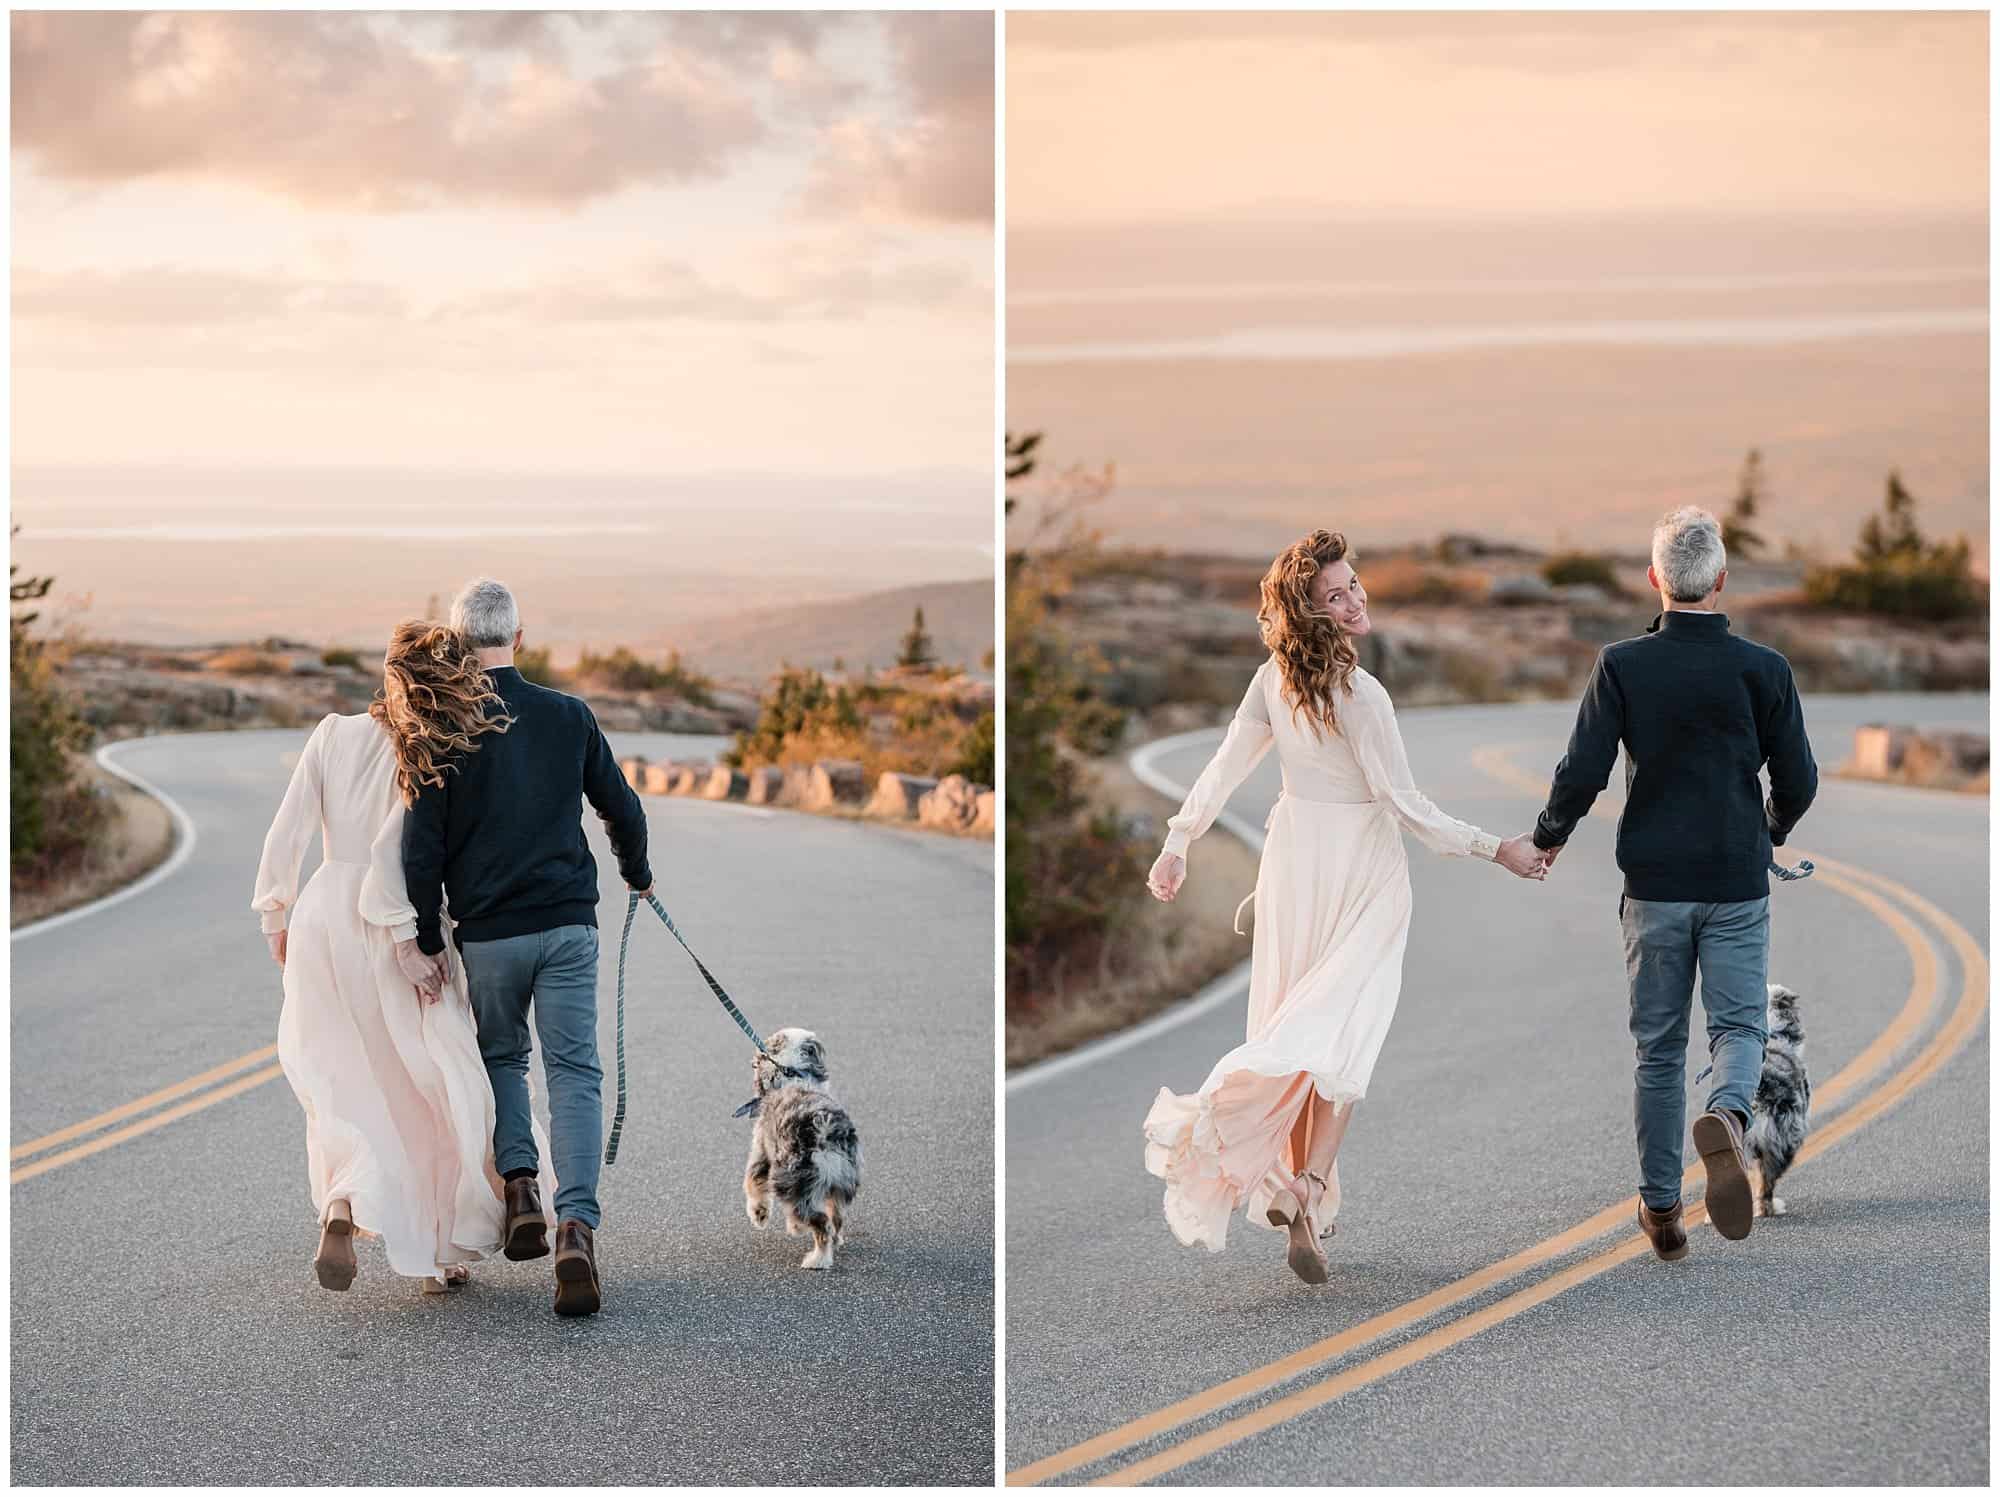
x=1698, y=711
x=504, y=833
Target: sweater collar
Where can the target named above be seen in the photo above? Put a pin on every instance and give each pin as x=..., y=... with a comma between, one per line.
x=1687, y=624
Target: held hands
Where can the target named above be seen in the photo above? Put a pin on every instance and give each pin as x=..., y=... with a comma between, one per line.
x=1520, y=857
x=426, y=973
x=275, y=939
x=1169, y=872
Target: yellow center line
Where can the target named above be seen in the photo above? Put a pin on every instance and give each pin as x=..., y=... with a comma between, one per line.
x=1944, y=1045
x=159, y=1120
x=150, y=1100
x=1495, y=761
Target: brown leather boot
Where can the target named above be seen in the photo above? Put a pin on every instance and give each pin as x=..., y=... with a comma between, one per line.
x=1719, y=1137
x=576, y=1269
x=1664, y=1230
x=527, y=1234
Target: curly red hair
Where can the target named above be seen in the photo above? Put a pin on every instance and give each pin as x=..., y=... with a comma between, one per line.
x=1316, y=657
x=435, y=701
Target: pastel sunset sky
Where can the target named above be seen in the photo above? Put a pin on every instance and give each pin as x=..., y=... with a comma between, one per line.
x=1535, y=275
x=1176, y=117
x=610, y=243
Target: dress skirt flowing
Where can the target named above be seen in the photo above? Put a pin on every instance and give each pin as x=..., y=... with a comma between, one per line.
x=398, y=1108
x=399, y=1113
x=1332, y=921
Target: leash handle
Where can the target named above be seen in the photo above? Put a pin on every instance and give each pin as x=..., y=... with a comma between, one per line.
x=618, y=1118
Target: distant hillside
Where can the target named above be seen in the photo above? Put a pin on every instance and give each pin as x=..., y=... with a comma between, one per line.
x=859, y=631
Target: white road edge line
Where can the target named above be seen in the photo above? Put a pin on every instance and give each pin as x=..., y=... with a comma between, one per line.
x=184, y=842
x=1232, y=984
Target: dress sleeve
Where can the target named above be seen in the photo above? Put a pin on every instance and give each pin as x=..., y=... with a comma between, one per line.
x=1247, y=741
x=298, y=822
x=385, y=899
x=1369, y=725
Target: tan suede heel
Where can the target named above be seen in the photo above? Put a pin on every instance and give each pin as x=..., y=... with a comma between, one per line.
x=1301, y=1253
x=334, y=1264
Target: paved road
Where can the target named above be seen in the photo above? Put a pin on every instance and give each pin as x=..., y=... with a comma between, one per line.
x=166, y=1326
x=1846, y=1342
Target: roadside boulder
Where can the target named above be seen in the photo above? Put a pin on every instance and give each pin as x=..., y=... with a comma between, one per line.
x=897, y=796
x=634, y=771
x=724, y=783
x=764, y=786
x=659, y=778
x=953, y=804
x=1523, y=587
x=835, y=782
x=986, y=817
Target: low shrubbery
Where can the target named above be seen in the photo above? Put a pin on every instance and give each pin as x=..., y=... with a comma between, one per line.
x=621, y=670
x=249, y=660
x=1896, y=572
x=1582, y=568
x=906, y=723
x=1073, y=875
x=53, y=818
x=535, y=666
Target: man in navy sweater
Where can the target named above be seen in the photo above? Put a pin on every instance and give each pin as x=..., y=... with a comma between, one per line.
x=504, y=837
x=1699, y=712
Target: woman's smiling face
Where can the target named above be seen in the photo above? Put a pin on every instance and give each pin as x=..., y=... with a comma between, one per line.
x=1337, y=593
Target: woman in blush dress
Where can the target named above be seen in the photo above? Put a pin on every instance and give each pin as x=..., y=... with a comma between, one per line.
x=1332, y=917
x=386, y=1064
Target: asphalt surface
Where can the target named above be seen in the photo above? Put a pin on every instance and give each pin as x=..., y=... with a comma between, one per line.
x=166, y=1325
x=1847, y=1342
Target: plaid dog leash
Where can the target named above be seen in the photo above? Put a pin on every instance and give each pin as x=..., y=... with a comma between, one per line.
x=624, y=943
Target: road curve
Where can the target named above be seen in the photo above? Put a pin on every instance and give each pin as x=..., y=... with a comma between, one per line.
x=1847, y=1342
x=166, y=1327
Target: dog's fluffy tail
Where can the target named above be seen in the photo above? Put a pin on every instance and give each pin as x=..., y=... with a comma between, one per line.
x=837, y=1172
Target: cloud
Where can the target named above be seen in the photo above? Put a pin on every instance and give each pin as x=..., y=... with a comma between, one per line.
x=834, y=281
x=934, y=159
x=808, y=285
x=169, y=296
x=393, y=113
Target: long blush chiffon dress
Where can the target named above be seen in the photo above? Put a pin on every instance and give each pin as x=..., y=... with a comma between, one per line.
x=1332, y=918
x=399, y=1113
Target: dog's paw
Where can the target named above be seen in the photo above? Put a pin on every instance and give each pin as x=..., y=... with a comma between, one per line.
x=759, y=1214
x=816, y=1259
x=1777, y=1206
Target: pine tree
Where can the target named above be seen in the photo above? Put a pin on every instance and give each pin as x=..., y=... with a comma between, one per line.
x=1892, y=533
x=1738, y=538
x=917, y=650
x=1020, y=458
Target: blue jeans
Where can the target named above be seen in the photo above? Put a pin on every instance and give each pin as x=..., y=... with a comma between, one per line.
x=1665, y=943
x=557, y=971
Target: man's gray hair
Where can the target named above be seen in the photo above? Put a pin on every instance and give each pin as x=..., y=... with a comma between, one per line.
x=484, y=614
x=1688, y=554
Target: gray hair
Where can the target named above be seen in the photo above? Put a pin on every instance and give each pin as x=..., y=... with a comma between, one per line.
x=484, y=614
x=1688, y=554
